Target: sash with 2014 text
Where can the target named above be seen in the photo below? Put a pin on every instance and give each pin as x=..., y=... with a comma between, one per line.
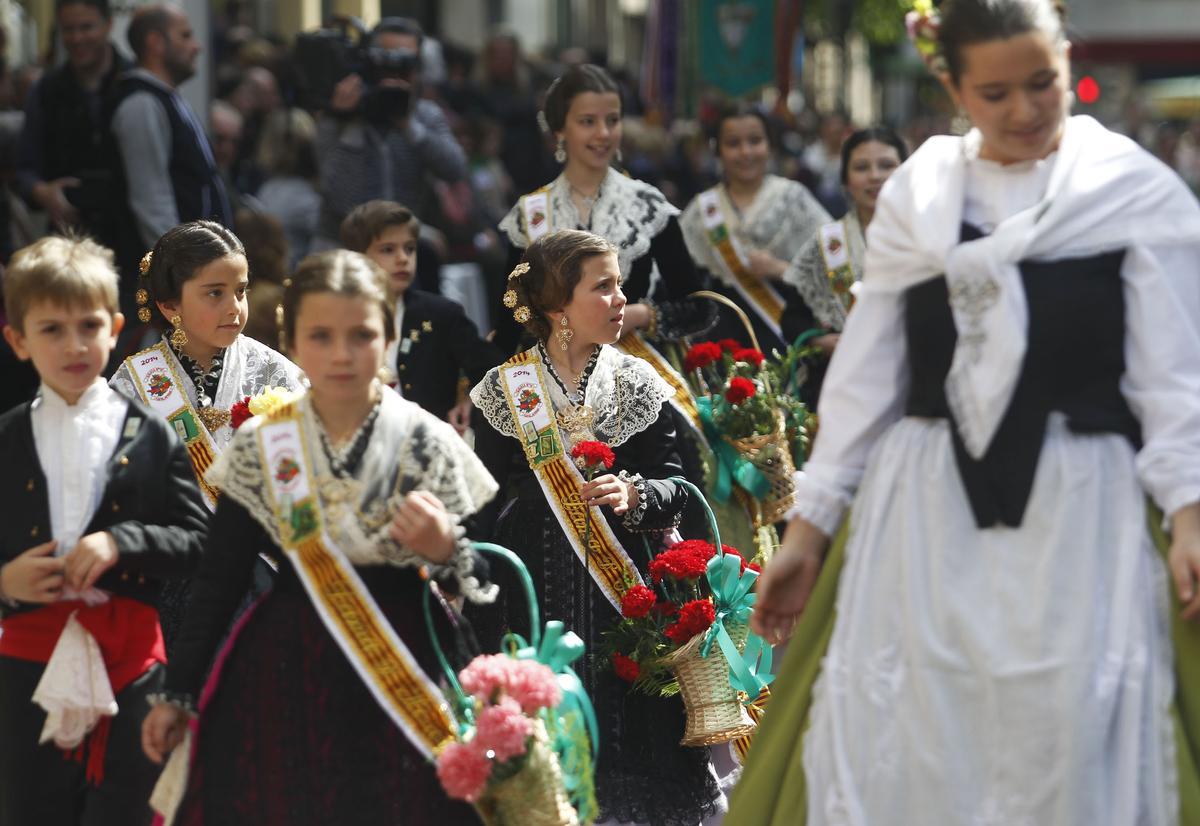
x=340, y=597
x=607, y=562
x=156, y=376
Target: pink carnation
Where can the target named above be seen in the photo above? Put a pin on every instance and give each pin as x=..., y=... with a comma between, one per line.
x=464, y=772
x=533, y=685
x=503, y=730
x=486, y=675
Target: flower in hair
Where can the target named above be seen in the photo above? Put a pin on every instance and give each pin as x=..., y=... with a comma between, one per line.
x=922, y=24
x=519, y=270
x=144, y=265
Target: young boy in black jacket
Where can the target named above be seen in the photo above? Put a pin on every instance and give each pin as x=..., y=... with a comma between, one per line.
x=100, y=507
x=435, y=341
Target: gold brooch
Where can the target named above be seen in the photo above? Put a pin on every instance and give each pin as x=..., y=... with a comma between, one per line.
x=519, y=270
x=510, y=298
x=214, y=418
x=144, y=266
x=521, y=314
x=143, y=298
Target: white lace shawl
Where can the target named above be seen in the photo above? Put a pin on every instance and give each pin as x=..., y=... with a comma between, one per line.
x=249, y=367
x=409, y=450
x=628, y=212
x=808, y=273
x=782, y=218
x=624, y=391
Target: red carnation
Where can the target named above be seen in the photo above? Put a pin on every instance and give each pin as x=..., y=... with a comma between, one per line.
x=729, y=345
x=681, y=562
x=701, y=355
x=239, y=413
x=740, y=389
x=627, y=669
x=592, y=455
x=695, y=617
x=750, y=356
x=666, y=609
x=637, y=602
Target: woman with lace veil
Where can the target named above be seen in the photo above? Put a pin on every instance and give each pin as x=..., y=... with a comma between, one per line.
x=821, y=278
x=193, y=289
x=748, y=227
x=323, y=710
x=1012, y=416
x=584, y=541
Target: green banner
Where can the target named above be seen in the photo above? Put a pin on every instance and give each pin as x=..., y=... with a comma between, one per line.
x=737, y=44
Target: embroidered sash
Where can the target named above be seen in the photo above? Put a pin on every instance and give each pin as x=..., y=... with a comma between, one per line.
x=632, y=344
x=158, y=383
x=535, y=207
x=524, y=386
x=760, y=296
x=345, y=606
x=835, y=248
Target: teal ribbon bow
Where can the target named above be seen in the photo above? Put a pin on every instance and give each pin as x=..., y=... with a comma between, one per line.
x=731, y=465
x=557, y=649
x=750, y=669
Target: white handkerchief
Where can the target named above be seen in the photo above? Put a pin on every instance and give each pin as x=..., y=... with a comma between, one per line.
x=74, y=689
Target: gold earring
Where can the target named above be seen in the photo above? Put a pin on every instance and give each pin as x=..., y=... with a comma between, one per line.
x=178, y=337
x=564, y=334
x=560, y=151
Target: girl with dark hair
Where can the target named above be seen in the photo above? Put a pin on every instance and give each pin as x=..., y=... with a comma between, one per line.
x=193, y=289
x=574, y=386
x=1013, y=418
x=583, y=112
x=747, y=228
x=824, y=273
x=323, y=709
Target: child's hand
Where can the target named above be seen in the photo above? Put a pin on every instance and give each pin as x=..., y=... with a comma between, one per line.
x=34, y=576
x=88, y=560
x=163, y=730
x=459, y=416
x=423, y=525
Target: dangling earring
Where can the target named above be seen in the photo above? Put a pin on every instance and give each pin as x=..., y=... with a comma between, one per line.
x=620, y=156
x=564, y=334
x=560, y=152
x=386, y=375
x=178, y=337
x=960, y=124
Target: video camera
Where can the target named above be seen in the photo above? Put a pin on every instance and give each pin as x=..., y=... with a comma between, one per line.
x=343, y=47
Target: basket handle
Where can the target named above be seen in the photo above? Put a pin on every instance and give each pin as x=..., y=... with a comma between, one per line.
x=464, y=703
x=741, y=314
x=708, y=511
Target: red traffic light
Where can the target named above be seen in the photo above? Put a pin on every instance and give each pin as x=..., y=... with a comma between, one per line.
x=1087, y=90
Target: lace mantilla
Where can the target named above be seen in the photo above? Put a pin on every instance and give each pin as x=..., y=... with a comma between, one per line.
x=628, y=212
x=249, y=368
x=781, y=220
x=624, y=391
x=408, y=450
x=808, y=273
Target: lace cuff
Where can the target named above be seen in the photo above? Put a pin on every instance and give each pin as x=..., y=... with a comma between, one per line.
x=182, y=701
x=634, y=516
x=684, y=317
x=462, y=569
x=817, y=505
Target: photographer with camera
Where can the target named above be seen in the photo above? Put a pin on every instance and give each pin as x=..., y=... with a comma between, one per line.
x=379, y=137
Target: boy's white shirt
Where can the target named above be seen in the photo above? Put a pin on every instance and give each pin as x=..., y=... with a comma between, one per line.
x=74, y=443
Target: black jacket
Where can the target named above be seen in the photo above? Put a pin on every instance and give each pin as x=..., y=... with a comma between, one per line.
x=441, y=343
x=151, y=504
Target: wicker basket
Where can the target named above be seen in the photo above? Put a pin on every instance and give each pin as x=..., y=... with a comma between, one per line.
x=534, y=796
x=714, y=712
x=770, y=453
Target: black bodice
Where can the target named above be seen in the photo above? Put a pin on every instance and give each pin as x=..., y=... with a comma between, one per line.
x=1073, y=364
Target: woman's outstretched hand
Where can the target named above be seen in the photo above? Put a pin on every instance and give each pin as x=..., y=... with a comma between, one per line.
x=787, y=581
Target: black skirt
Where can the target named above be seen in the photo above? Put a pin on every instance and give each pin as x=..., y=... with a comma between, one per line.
x=292, y=737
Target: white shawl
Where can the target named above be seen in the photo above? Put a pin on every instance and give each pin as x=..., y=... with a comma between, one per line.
x=1104, y=194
